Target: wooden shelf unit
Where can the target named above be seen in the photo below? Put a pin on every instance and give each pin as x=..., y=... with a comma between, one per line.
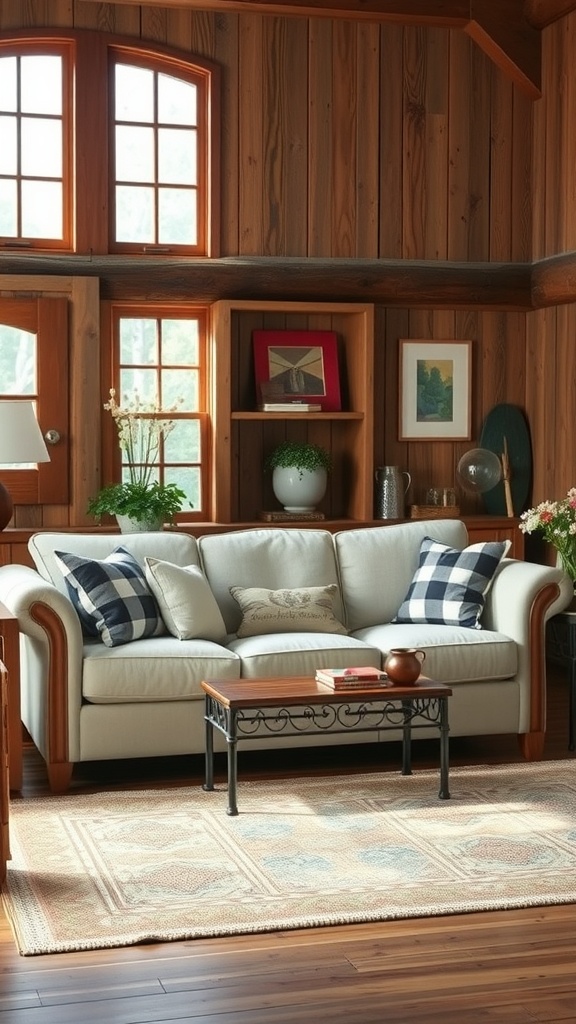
x=243, y=437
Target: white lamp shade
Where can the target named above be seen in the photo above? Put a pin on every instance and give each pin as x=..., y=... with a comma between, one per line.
x=20, y=435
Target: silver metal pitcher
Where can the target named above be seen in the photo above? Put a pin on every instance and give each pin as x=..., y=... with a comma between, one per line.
x=390, y=492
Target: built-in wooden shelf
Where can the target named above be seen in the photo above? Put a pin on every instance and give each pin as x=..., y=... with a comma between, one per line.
x=243, y=436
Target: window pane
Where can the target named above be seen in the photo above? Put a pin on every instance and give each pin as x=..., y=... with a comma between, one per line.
x=180, y=388
x=41, y=84
x=177, y=216
x=41, y=147
x=134, y=214
x=138, y=341
x=8, y=83
x=188, y=478
x=134, y=93
x=8, y=145
x=42, y=209
x=177, y=101
x=183, y=442
x=138, y=386
x=154, y=474
x=177, y=156
x=180, y=342
x=8, y=209
x=17, y=361
x=134, y=154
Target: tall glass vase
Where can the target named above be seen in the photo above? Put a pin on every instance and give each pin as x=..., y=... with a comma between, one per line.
x=567, y=559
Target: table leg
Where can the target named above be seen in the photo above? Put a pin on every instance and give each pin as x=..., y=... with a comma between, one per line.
x=407, y=738
x=209, y=755
x=231, y=739
x=444, y=793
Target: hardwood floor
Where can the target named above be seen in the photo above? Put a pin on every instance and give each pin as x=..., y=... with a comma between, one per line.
x=509, y=967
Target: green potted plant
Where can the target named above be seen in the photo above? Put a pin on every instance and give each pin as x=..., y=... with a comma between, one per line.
x=299, y=474
x=139, y=502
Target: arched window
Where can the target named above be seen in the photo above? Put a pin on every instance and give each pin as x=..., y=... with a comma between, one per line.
x=107, y=147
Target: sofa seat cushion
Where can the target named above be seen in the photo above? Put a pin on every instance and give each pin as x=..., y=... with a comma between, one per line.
x=300, y=654
x=454, y=654
x=157, y=669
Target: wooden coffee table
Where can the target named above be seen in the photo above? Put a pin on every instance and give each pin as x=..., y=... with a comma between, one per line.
x=239, y=708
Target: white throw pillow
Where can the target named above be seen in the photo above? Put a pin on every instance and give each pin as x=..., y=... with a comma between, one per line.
x=187, y=604
x=303, y=610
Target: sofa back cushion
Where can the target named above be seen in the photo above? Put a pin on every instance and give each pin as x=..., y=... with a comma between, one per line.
x=377, y=565
x=271, y=558
x=172, y=547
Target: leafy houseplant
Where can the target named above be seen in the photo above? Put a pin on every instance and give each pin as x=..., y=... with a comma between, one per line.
x=299, y=474
x=138, y=501
x=299, y=455
x=140, y=498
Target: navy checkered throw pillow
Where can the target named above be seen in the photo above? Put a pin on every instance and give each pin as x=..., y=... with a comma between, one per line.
x=449, y=586
x=111, y=597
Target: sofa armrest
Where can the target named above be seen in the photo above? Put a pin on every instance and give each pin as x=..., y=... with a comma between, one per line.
x=50, y=660
x=523, y=596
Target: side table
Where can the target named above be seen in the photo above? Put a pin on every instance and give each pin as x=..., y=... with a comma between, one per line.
x=10, y=656
x=561, y=646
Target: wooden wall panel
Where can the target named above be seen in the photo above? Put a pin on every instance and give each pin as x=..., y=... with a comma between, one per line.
x=344, y=138
x=251, y=136
x=500, y=168
x=368, y=188
x=357, y=139
x=320, y=163
x=391, y=210
x=479, y=153
x=284, y=125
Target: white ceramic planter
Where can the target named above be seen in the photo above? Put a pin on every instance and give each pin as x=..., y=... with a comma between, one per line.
x=299, y=490
x=128, y=525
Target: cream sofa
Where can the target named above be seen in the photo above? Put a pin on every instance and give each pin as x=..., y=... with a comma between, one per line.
x=84, y=701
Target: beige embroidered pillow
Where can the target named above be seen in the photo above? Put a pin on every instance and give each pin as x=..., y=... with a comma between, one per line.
x=304, y=610
x=187, y=604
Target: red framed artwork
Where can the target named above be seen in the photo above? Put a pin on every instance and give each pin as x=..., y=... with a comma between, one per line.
x=297, y=367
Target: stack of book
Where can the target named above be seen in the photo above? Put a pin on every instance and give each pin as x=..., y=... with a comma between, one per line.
x=295, y=406
x=345, y=678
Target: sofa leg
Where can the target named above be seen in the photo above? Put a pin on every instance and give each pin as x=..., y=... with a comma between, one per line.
x=532, y=745
x=60, y=776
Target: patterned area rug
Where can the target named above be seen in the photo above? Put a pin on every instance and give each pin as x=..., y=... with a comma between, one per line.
x=114, y=869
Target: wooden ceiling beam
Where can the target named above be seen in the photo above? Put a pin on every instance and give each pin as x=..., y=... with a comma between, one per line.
x=501, y=30
x=499, y=27
x=398, y=283
x=422, y=12
x=540, y=13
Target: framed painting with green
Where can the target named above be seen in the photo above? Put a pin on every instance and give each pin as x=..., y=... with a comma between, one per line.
x=435, y=390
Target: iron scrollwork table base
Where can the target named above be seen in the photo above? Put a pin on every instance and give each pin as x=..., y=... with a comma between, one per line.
x=240, y=710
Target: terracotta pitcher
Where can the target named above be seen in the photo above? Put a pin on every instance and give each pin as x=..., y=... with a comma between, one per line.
x=404, y=664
